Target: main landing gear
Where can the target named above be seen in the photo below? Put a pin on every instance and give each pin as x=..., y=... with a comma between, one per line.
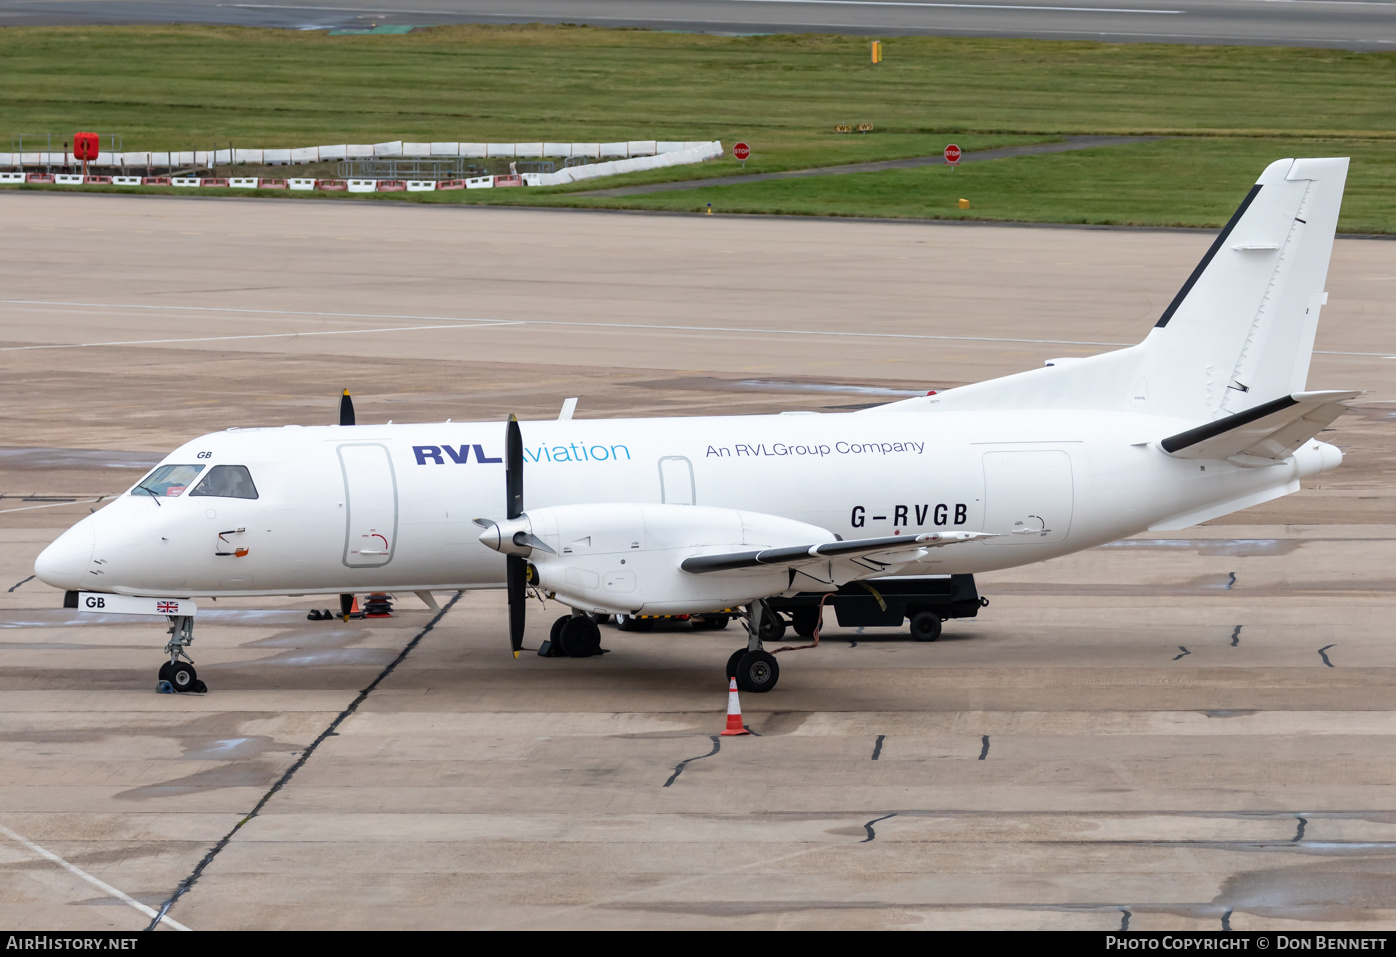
x=755, y=668
x=574, y=636
x=177, y=675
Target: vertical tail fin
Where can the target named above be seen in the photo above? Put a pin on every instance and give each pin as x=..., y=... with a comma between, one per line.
x=1241, y=330
x=1239, y=333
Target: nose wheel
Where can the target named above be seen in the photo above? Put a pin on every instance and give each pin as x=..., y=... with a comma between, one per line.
x=178, y=675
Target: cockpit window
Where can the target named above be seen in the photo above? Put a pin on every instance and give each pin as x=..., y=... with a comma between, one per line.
x=227, y=481
x=168, y=480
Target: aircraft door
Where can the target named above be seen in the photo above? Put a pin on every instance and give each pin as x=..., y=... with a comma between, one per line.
x=676, y=485
x=370, y=505
x=1027, y=496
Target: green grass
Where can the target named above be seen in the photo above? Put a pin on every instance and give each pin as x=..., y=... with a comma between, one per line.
x=196, y=87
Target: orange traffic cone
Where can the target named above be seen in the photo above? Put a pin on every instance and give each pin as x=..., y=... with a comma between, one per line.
x=734, y=712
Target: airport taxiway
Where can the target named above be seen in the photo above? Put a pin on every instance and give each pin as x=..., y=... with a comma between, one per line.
x=1191, y=729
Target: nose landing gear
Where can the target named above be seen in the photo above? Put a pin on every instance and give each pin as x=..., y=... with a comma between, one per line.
x=176, y=675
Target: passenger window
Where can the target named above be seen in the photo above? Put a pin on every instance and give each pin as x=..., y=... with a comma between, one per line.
x=227, y=481
x=168, y=480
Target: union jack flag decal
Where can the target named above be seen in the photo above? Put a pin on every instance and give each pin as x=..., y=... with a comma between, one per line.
x=167, y=607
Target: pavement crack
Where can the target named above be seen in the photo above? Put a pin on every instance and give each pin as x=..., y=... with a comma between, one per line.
x=17, y=584
x=984, y=750
x=1299, y=833
x=678, y=768
x=872, y=835
x=1184, y=654
x=1124, y=919
x=1236, y=636
x=1322, y=653
x=877, y=747
x=282, y=781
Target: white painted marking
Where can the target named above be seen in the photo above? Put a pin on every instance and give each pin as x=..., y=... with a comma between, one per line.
x=85, y=501
x=962, y=6
x=101, y=885
x=500, y=322
x=264, y=335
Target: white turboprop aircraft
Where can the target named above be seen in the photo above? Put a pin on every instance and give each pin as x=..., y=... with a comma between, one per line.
x=700, y=515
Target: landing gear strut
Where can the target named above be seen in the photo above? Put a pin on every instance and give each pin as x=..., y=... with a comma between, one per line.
x=177, y=675
x=755, y=668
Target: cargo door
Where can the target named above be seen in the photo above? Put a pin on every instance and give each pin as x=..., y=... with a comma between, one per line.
x=1027, y=496
x=370, y=505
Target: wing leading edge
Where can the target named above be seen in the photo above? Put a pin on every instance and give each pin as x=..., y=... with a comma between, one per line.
x=794, y=555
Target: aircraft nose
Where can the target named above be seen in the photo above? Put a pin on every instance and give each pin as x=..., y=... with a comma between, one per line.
x=64, y=563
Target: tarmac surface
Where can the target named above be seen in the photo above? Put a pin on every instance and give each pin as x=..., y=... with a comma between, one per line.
x=1344, y=24
x=1183, y=730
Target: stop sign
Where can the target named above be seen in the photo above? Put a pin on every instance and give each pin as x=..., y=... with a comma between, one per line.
x=741, y=151
x=952, y=154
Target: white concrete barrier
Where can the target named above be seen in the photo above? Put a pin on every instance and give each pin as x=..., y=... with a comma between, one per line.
x=363, y=185
x=613, y=149
x=358, y=152
x=126, y=181
x=587, y=150
x=186, y=181
x=421, y=185
x=183, y=158
x=668, y=146
x=388, y=149
x=301, y=183
x=528, y=149
x=307, y=154
x=557, y=149
x=445, y=149
x=243, y=182
x=243, y=156
x=68, y=179
x=480, y=182
x=329, y=154
x=639, y=148
x=474, y=150
x=11, y=177
x=8, y=159
x=276, y=157
x=499, y=149
x=416, y=150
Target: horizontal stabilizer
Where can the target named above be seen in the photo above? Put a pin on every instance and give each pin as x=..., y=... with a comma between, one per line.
x=794, y=555
x=1271, y=430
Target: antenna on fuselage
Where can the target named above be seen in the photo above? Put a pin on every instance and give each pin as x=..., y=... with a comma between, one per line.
x=346, y=409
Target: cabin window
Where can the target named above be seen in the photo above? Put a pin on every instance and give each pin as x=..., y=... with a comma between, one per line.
x=227, y=481
x=168, y=481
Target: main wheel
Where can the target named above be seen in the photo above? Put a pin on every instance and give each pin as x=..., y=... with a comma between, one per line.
x=579, y=637
x=757, y=671
x=772, y=627
x=733, y=661
x=804, y=621
x=182, y=676
x=554, y=643
x=925, y=626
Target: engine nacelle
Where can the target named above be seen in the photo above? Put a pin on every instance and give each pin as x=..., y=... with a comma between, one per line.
x=625, y=558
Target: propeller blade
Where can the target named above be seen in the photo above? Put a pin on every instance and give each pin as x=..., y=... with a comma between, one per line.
x=513, y=469
x=346, y=605
x=346, y=409
x=517, y=586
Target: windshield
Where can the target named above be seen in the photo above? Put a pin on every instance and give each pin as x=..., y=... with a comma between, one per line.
x=168, y=480
x=227, y=481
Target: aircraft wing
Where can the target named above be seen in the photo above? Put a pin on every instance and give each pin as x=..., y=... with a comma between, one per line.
x=793, y=556
x=1271, y=430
